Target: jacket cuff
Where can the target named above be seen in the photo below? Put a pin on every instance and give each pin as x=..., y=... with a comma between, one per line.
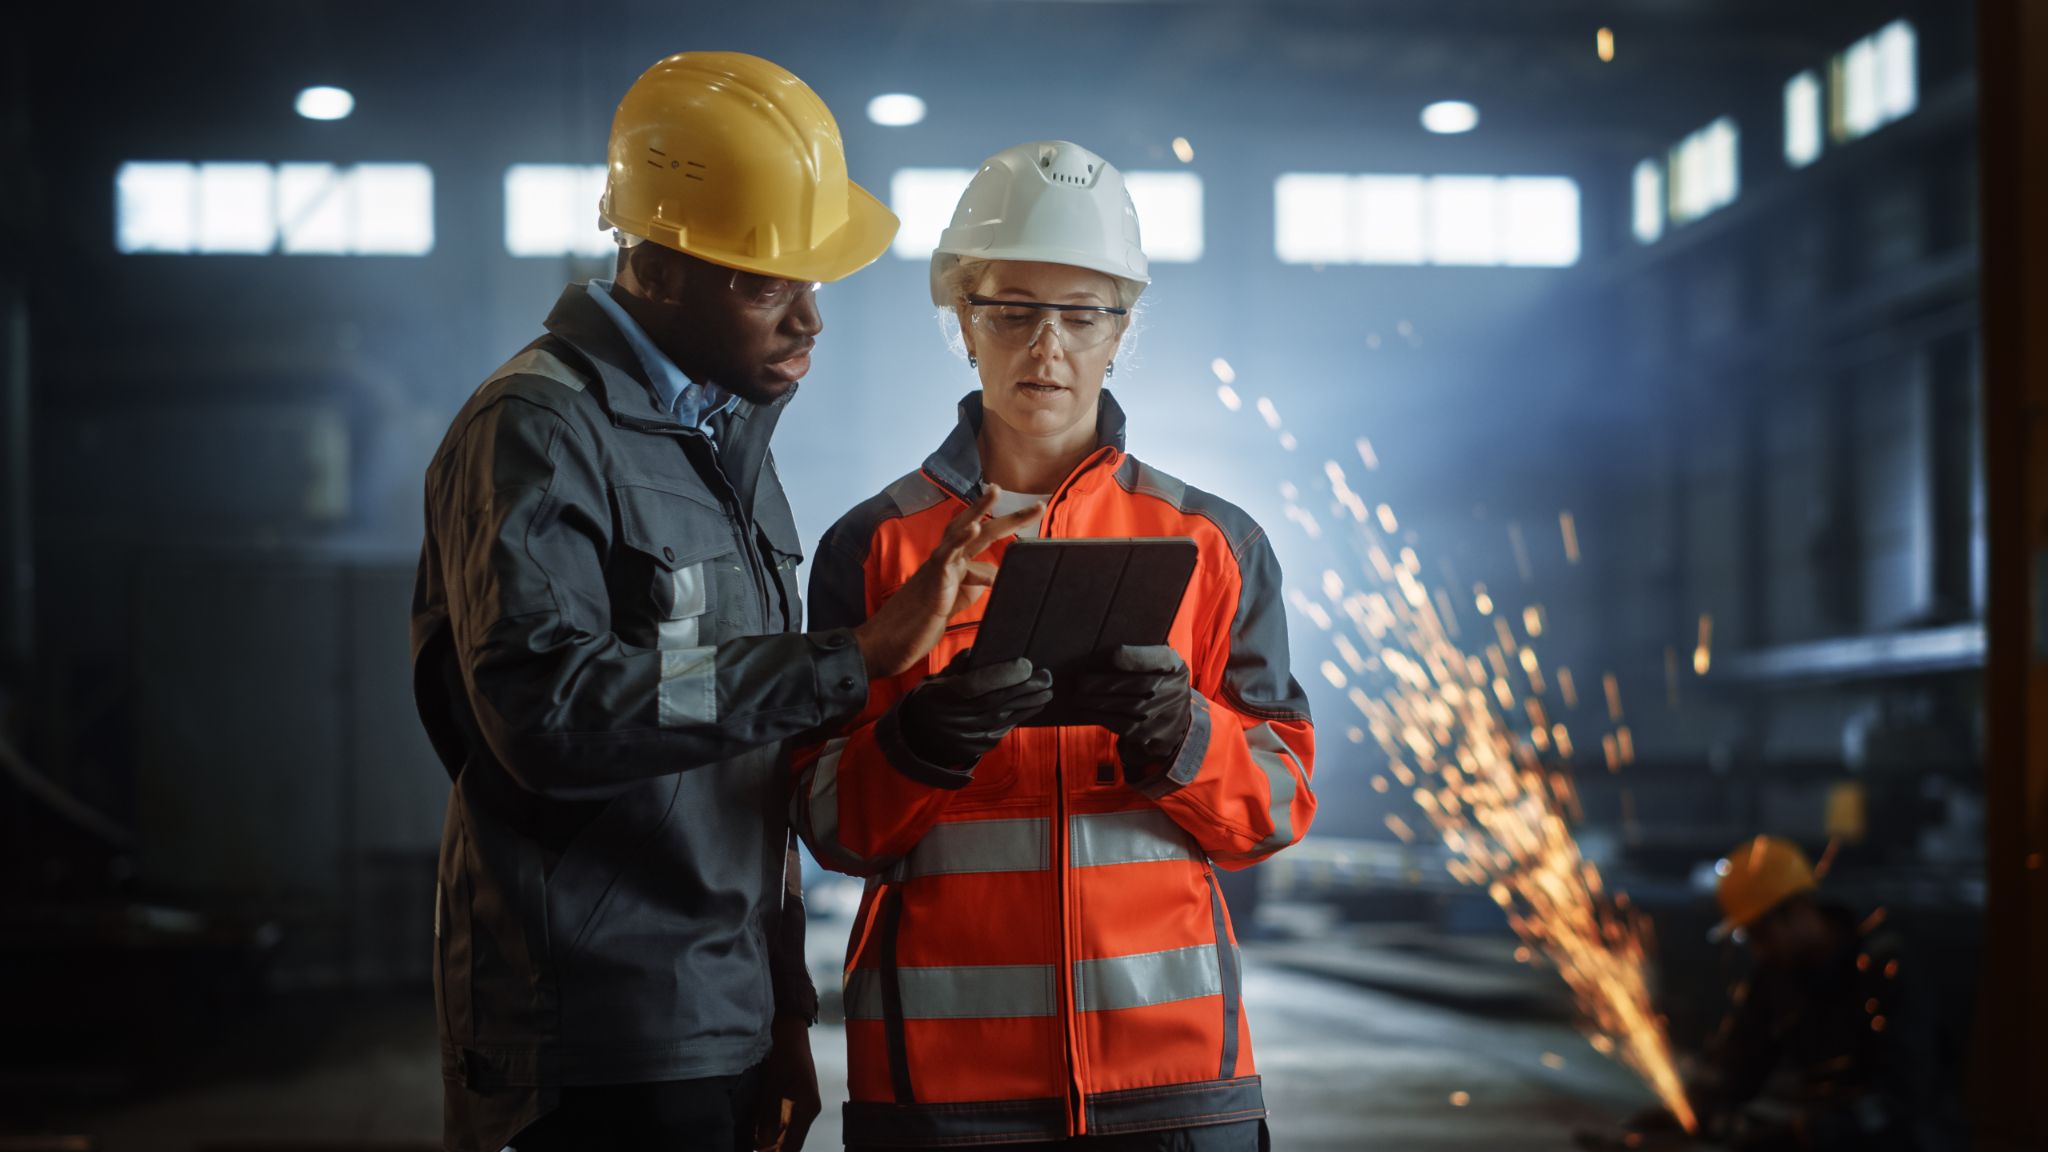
x=1187, y=763
x=895, y=749
x=842, y=676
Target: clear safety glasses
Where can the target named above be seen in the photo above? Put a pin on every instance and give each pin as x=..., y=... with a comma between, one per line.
x=769, y=293
x=1016, y=323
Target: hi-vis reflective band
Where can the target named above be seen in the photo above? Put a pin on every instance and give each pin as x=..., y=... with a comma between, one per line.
x=972, y=993
x=964, y=846
x=689, y=687
x=995, y=991
x=1280, y=764
x=1147, y=978
x=821, y=814
x=688, y=600
x=977, y=846
x=1134, y=837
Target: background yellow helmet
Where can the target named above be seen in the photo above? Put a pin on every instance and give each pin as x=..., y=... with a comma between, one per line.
x=1755, y=877
x=734, y=160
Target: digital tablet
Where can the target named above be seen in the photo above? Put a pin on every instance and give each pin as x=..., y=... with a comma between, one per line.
x=1060, y=602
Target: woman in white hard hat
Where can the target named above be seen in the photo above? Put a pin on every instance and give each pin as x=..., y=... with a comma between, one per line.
x=1042, y=953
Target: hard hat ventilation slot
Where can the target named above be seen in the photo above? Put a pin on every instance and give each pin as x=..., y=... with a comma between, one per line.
x=1078, y=177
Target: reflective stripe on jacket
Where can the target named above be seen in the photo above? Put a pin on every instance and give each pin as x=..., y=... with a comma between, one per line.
x=1042, y=949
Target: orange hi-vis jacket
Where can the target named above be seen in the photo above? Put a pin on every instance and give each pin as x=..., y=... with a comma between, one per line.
x=1042, y=950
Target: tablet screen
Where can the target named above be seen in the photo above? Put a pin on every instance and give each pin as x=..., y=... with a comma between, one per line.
x=1060, y=602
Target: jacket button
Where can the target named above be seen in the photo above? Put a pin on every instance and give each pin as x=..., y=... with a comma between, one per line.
x=846, y=683
x=668, y=554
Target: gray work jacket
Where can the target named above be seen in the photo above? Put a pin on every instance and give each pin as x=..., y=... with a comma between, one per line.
x=607, y=657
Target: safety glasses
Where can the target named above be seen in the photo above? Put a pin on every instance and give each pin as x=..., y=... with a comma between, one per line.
x=1016, y=323
x=769, y=293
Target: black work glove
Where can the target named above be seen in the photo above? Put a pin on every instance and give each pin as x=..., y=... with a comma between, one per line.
x=955, y=716
x=1141, y=693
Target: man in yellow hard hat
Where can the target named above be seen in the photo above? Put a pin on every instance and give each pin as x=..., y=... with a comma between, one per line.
x=1814, y=1052
x=608, y=654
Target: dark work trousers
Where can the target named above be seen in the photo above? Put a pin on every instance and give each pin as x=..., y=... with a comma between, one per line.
x=1248, y=1136
x=715, y=1114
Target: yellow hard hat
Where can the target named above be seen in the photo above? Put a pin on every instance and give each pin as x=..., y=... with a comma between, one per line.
x=1755, y=877
x=734, y=160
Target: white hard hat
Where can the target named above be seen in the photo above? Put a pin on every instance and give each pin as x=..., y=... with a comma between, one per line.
x=1049, y=201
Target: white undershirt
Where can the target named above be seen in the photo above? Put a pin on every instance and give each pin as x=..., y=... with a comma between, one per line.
x=1008, y=502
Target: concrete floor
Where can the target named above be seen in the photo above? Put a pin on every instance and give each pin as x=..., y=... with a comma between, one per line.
x=1347, y=1068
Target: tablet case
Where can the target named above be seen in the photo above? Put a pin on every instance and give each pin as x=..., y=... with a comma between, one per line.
x=1060, y=602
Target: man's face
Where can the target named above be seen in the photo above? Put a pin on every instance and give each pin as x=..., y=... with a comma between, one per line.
x=1792, y=935
x=749, y=334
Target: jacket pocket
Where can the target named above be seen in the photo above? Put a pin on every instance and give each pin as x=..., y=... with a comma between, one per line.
x=677, y=560
x=594, y=862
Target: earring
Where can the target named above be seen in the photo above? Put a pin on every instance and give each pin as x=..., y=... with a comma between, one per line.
x=1111, y=370
x=972, y=362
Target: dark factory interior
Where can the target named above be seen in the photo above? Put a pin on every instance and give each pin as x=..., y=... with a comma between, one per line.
x=1646, y=402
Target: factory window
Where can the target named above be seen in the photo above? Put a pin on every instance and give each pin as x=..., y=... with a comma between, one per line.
x=551, y=210
x=923, y=199
x=1464, y=220
x=258, y=209
x=1169, y=214
x=1539, y=219
x=363, y=210
x=1704, y=172
x=1388, y=212
x=1802, y=120
x=1649, y=201
x=1169, y=208
x=1314, y=221
x=1873, y=82
x=1523, y=221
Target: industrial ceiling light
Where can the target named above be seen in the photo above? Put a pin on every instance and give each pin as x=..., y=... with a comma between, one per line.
x=324, y=103
x=1450, y=117
x=896, y=110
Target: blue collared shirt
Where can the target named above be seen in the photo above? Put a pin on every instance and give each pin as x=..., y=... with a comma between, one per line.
x=692, y=404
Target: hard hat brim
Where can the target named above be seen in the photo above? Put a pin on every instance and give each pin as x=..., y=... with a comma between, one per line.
x=1729, y=926
x=867, y=233
x=943, y=256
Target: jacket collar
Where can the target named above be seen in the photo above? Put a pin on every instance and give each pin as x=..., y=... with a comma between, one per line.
x=957, y=464
x=621, y=385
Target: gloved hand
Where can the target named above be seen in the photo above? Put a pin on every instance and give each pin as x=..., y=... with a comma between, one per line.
x=954, y=717
x=1142, y=694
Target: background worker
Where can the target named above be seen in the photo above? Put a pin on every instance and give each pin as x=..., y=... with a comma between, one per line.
x=1816, y=1050
x=608, y=657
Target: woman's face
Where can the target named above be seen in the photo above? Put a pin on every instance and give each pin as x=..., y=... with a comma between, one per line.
x=1043, y=388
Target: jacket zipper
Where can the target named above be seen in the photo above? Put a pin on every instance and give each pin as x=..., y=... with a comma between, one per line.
x=1077, y=1104
x=1076, y=1095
